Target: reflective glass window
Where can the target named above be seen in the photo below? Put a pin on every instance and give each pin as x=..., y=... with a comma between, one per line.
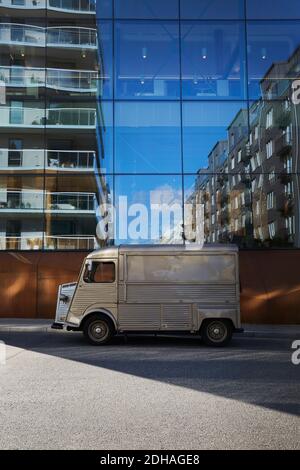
x=273, y=57
x=154, y=9
x=209, y=129
x=149, y=209
x=104, y=8
x=273, y=9
x=147, y=60
x=105, y=59
x=213, y=60
x=147, y=137
x=212, y=9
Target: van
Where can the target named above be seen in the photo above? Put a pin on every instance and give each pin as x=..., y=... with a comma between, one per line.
x=154, y=289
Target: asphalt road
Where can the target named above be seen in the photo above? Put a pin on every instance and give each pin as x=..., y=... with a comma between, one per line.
x=57, y=392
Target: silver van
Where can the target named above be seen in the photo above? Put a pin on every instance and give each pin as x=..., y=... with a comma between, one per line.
x=157, y=289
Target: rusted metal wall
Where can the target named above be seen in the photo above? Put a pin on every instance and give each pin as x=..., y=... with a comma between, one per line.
x=270, y=284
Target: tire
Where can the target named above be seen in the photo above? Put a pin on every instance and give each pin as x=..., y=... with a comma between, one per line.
x=216, y=333
x=98, y=330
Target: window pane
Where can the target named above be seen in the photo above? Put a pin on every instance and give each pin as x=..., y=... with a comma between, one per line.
x=273, y=9
x=272, y=56
x=156, y=9
x=208, y=130
x=148, y=137
x=213, y=60
x=104, y=8
x=105, y=58
x=100, y=273
x=149, y=209
x=147, y=60
x=212, y=9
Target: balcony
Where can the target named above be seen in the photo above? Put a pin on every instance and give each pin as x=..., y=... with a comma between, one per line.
x=79, y=6
x=68, y=242
x=37, y=159
x=74, y=6
x=70, y=37
x=51, y=118
x=29, y=35
x=283, y=145
x=58, y=79
x=38, y=242
x=62, y=36
x=70, y=202
x=29, y=201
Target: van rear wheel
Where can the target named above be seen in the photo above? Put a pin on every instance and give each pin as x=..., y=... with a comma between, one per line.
x=216, y=333
x=98, y=330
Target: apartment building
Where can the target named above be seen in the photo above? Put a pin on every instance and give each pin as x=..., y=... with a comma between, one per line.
x=51, y=178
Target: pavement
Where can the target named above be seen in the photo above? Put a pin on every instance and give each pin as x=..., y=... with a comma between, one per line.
x=250, y=330
x=58, y=392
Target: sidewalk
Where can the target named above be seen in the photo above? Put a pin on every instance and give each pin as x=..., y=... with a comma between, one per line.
x=250, y=331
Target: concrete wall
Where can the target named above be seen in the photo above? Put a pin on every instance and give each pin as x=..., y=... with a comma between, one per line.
x=270, y=283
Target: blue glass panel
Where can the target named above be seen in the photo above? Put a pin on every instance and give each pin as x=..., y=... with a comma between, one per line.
x=273, y=57
x=213, y=60
x=273, y=9
x=208, y=126
x=104, y=136
x=152, y=9
x=148, y=137
x=104, y=8
x=147, y=60
x=212, y=9
x=149, y=209
x=105, y=58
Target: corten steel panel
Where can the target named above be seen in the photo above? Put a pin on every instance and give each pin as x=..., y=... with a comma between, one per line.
x=270, y=284
x=18, y=284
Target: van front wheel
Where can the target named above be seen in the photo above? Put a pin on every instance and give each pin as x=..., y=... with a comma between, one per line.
x=216, y=333
x=98, y=330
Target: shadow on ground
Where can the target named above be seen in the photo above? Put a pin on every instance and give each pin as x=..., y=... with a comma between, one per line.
x=251, y=370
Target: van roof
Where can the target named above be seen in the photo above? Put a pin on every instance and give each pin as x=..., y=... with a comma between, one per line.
x=113, y=251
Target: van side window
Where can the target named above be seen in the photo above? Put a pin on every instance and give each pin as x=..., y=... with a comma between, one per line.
x=100, y=272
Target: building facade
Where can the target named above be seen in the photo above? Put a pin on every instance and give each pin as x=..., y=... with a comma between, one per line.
x=119, y=119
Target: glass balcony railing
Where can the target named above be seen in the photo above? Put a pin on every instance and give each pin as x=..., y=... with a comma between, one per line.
x=68, y=242
x=38, y=201
x=58, y=79
x=55, y=117
x=79, y=6
x=40, y=241
x=13, y=33
x=30, y=159
x=62, y=36
x=69, y=202
x=66, y=36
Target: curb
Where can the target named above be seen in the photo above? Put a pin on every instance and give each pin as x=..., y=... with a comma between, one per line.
x=245, y=334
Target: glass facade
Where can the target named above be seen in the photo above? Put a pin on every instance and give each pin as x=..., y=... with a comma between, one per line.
x=145, y=121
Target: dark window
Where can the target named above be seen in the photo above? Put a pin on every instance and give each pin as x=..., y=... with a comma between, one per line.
x=100, y=272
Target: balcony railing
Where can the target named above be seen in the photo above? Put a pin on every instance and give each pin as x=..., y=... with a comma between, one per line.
x=54, y=117
x=63, y=242
x=68, y=202
x=67, y=242
x=66, y=36
x=66, y=160
x=62, y=36
x=79, y=6
x=37, y=201
x=59, y=79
